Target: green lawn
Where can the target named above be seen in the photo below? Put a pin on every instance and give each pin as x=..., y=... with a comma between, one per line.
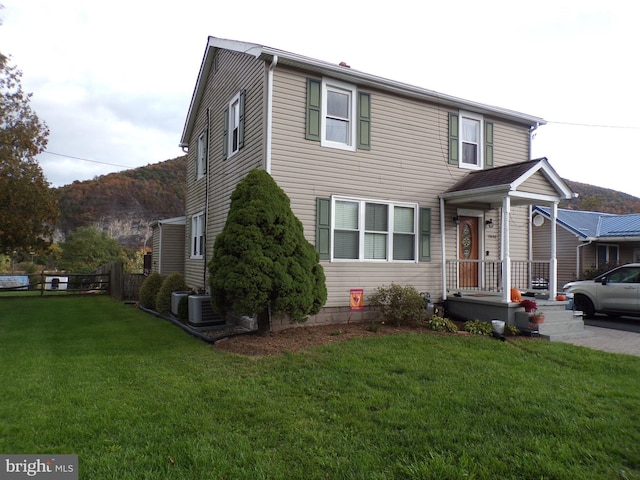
x=137, y=398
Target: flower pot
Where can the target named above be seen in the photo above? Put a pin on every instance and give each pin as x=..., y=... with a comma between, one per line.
x=537, y=319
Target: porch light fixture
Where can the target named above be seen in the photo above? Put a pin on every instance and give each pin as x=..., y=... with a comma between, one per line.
x=456, y=220
x=489, y=223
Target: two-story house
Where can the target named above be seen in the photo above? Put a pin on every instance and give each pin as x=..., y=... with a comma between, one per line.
x=392, y=182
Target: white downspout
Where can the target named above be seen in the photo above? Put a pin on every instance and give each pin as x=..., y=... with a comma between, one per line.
x=531, y=135
x=578, y=256
x=274, y=62
x=553, y=267
x=443, y=250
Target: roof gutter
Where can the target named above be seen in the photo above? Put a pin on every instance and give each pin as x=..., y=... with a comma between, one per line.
x=366, y=79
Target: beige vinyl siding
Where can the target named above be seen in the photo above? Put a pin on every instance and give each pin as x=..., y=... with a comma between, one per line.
x=566, y=250
x=235, y=72
x=408, y=162
x=305, y=170
x=519, y=233
x=172, y=251
x=537, y=183
x=510, y=143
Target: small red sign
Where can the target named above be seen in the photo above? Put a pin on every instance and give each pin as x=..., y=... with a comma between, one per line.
x=356, y=299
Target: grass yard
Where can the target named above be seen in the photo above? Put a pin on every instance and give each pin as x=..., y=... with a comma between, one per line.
x=137, y=398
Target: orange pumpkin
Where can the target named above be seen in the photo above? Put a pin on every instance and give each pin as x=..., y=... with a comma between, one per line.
x=561, y=297
x=516, y=295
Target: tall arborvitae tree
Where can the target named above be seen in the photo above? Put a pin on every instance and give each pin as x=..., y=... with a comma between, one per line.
x=28, y=208
x=262, y=264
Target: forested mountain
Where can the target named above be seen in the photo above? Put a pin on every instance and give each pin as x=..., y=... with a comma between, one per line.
x=125, y=203
x=599, y=199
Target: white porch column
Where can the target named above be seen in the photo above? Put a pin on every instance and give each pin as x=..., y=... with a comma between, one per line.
x=553, y=261
x=506, y=258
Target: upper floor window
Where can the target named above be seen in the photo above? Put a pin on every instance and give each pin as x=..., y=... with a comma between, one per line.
x=338, y=116
x=201, y=161
x=470, y=140
x=338, y=107
x=233, y=139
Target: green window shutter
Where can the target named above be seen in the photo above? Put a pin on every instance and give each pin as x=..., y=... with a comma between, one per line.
x=323, y=227
x=364, y=121
x=454, y=158
x=241, y=120
x=425, y=235
x=313, y=110
x=225, y=135
x=488, y=144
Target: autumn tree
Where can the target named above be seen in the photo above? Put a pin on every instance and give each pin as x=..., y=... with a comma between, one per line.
x=262, y=263
x=28, y=208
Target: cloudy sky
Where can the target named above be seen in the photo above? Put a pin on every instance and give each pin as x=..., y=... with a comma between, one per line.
x=113, y=80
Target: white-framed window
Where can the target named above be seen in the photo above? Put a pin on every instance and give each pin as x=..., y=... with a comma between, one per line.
x=197, y=235
x=607, y=255
x=201, y=161
x=373, y=230
x=234, y=125
x=471, y=141
x=338, y=125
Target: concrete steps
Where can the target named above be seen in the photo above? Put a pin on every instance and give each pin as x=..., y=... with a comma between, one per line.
x=559, y=324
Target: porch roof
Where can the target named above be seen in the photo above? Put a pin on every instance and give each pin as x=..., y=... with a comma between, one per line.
x=491, y=186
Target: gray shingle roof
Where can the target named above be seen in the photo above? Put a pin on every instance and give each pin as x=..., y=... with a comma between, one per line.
x=491, y=177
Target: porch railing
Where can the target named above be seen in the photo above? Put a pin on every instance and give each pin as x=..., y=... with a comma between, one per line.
x=486, y=276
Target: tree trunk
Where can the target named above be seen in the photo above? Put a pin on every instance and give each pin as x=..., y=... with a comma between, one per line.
x=264, y=323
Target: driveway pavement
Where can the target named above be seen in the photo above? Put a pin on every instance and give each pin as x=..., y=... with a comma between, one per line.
x=609, y=340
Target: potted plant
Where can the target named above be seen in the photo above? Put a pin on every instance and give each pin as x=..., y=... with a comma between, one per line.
x=529, y=305
x=537, y=317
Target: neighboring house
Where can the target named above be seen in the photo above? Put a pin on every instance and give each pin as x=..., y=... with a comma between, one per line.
x=167, y=255
x=587, y=241
x=392, y=182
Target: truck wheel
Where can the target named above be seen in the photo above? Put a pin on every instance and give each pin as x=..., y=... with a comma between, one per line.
x=584, y=304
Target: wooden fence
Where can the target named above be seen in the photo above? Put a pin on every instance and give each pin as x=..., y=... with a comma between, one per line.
x=108, y=279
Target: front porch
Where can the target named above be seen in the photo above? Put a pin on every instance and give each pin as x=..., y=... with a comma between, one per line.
x=561, y=322
x=484, y=212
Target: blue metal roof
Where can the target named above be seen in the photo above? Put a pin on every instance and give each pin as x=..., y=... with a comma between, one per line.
x=595, y=224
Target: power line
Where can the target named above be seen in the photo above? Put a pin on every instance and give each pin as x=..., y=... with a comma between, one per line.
x=628, y=127
x=87, y=160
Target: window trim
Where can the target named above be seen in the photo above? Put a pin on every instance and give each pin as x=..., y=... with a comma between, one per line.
x=362, y=229
x=234, y=101
x=335, y=85
x=196, y=250
x=201, y=156
x=462, y=114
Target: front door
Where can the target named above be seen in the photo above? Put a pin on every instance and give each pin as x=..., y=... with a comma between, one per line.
x=468, y=248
